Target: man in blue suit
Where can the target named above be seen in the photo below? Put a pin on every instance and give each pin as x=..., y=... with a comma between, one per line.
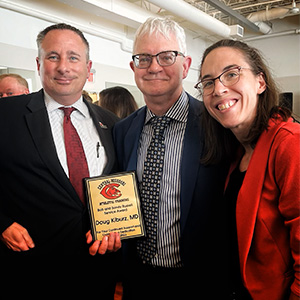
x=188, y=191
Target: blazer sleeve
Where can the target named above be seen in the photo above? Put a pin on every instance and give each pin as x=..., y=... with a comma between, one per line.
x=287, y=174
x=5, y=222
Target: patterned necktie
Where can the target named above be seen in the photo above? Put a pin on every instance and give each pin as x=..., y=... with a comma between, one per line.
x=150, y=187
x=76, y=160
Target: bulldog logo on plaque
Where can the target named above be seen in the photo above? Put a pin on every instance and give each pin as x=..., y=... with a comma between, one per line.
x=114, y=205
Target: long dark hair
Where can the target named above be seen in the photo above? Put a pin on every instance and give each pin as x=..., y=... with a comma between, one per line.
x=220, y=143
x=118, y=100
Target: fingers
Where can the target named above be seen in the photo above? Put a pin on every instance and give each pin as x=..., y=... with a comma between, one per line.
x=28, y=239
x=109, y=243
x=94, y=248
x=89, y=237
x=104, y=244
x=117, y=244
x=17, y=238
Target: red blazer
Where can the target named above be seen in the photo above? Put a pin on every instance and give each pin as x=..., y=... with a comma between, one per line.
x=267, y=214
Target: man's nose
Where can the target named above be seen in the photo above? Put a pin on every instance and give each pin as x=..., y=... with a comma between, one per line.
x=63, y=65
x=154, y=67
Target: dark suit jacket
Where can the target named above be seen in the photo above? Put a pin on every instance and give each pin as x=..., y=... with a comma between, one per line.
x=35, y=191
x=201, y=187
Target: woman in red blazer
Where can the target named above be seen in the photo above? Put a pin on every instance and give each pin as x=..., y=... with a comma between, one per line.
x=262, y=193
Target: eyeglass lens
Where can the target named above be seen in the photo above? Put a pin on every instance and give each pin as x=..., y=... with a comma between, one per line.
x=164, y=59
x=227, y=78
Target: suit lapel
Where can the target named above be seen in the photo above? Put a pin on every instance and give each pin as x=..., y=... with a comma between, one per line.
x=132, y=138
x=39, y=127
x=190, y=158
x=105, y=135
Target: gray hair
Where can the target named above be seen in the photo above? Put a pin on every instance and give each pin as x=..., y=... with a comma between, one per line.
x=164, y=26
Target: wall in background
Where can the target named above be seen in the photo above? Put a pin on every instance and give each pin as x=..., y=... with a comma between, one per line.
x=282, y=54
x=110, y=62
x=111, y=59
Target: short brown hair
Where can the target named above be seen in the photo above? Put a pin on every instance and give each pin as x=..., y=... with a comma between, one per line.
x=22, y=81
x=62, y=26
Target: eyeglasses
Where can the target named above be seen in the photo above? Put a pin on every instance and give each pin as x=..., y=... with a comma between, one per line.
x=164, y=59
x=228, y=78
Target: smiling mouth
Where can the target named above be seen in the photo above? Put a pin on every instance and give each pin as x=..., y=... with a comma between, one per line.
x=154, y=79
x=226, y=105
x=63, y=80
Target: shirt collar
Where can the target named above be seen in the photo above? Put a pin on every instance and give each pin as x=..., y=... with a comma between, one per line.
x=178, y=111
x=52, y=105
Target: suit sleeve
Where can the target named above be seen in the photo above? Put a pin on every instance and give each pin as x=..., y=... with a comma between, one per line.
x=287, y=173
x=5, y=222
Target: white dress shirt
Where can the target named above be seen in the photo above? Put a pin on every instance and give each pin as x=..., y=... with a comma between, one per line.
x=84, y=125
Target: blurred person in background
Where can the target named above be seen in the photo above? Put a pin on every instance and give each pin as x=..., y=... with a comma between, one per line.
x=118, y=100
x=13, y=85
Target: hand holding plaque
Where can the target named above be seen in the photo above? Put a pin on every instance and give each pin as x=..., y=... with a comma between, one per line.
x=114, y=205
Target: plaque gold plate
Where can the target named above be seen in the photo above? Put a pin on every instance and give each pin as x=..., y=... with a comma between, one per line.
x=114, y=205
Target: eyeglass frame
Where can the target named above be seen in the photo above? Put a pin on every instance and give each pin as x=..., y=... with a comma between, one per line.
x=201, y=90
x=157, y=59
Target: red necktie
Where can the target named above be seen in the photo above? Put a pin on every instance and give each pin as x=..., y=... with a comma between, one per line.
x=76, y=160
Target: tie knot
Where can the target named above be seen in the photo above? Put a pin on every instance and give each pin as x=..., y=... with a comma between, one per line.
x=160, y=123
x=67, y=110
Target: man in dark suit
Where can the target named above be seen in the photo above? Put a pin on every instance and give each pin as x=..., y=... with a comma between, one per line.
x=42, y=212
x=189, y=192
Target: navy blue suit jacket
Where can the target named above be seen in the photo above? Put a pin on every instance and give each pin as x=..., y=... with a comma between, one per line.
x=201, y=186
